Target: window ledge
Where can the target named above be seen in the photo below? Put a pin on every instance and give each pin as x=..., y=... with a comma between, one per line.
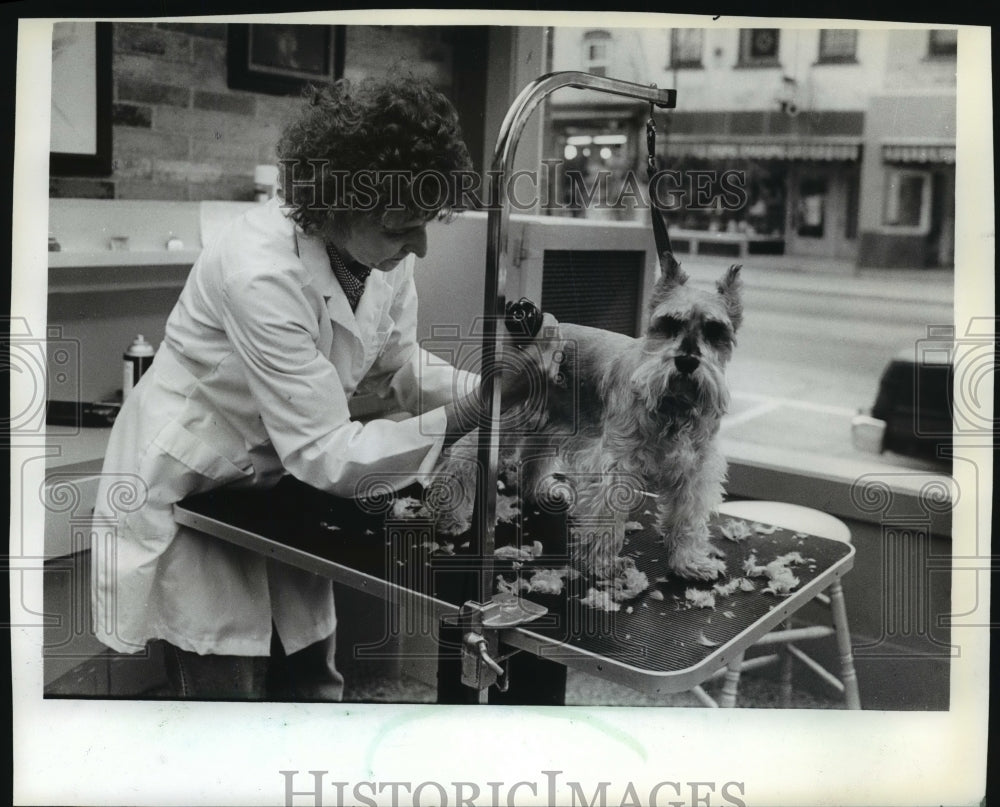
x=847, y=488
x=835, y=60
x=756, y=65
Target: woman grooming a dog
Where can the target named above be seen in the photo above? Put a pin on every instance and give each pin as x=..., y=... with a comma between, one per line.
x=299, y=318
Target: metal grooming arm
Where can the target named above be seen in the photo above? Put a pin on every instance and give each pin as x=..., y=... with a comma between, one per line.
x=484, y=513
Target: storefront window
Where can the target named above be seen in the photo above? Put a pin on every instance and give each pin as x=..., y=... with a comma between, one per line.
x=907, y=199
x=810, y=213
x=594, y=175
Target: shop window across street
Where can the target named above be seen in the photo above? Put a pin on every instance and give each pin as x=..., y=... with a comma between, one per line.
x=837, y=46
x=759, y=47
x=942, y=44
x=597, y=52
x=907, y=200
x=686, y=45
x=811, y=209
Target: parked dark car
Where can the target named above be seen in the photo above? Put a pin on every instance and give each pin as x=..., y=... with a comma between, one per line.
x=912, y=414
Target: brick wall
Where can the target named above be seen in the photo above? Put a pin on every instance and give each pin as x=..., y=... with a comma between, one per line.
x=180, y=133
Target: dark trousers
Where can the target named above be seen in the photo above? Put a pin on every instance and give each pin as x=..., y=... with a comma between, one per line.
x=309, y=674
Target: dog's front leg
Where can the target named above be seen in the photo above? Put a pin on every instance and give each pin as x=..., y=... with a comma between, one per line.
x=453, y=490
x=685, y=535
x=597, y=526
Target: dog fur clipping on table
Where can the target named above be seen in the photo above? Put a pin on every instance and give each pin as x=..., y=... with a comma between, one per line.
x=624, y=415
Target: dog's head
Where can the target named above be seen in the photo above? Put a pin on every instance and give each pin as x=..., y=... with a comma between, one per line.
x=688, y=341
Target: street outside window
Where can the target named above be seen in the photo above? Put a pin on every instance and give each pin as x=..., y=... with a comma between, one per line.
x=804, y=217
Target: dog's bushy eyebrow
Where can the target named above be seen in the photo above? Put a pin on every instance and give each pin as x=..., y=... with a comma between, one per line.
x=683, y=315
x=673, y=316
x=723, y=326
x=668, y=320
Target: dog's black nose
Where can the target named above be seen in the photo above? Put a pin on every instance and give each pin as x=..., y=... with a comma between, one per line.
x=687, y=364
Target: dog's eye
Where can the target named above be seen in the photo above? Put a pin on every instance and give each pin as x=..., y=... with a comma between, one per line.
x=667, y=327
x=716, y=332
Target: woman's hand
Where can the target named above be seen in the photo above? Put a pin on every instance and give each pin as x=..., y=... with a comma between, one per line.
x=524, y=375
x=527, y=369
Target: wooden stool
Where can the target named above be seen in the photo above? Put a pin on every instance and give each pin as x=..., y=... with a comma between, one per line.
x=815, y=522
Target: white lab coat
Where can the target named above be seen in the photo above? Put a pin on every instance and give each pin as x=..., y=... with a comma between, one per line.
x=262, y=367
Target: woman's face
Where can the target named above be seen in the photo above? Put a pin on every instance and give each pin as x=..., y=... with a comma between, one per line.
x=380, y=241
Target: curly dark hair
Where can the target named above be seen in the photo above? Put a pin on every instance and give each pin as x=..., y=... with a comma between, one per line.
x=389, y=132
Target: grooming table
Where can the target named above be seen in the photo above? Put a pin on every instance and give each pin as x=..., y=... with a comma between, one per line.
x=658, y=642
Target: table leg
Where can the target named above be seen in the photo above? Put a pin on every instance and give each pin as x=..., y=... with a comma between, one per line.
x=848, y=676
x=785, y=675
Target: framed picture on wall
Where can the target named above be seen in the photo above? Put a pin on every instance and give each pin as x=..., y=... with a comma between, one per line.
x=282, y=59
x=80, y=134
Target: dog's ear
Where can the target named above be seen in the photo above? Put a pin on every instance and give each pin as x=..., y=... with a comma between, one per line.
x=671, y=276
x=730, y=286
x=671, y=273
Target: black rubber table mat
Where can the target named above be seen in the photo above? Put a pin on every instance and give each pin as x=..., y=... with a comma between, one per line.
x=659, y=641
x=664, y=631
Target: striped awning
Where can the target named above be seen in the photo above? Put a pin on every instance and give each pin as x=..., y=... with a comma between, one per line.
x=823, y=149
x=918, y=153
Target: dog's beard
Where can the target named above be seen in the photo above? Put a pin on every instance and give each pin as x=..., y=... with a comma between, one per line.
x=667, y=392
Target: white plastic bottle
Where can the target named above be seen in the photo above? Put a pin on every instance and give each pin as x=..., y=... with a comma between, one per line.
x=137, y=359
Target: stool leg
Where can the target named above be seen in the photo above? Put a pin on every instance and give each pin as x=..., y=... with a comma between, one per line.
x=785, y=675
x=847, y=673
x=731, y=683
x=706, y=699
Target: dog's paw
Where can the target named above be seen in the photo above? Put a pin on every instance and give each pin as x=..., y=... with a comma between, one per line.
x=702, y=562
x=450, y=522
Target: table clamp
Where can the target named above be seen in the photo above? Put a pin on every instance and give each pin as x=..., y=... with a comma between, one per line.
x=481, y=623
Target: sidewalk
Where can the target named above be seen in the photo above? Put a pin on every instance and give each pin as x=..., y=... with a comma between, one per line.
x=827, y=276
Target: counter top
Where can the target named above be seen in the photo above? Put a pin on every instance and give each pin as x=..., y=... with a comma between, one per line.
x=76, y=446
x=128, y=257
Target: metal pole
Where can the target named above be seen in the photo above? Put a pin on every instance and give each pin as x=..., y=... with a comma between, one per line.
x=484, y=512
